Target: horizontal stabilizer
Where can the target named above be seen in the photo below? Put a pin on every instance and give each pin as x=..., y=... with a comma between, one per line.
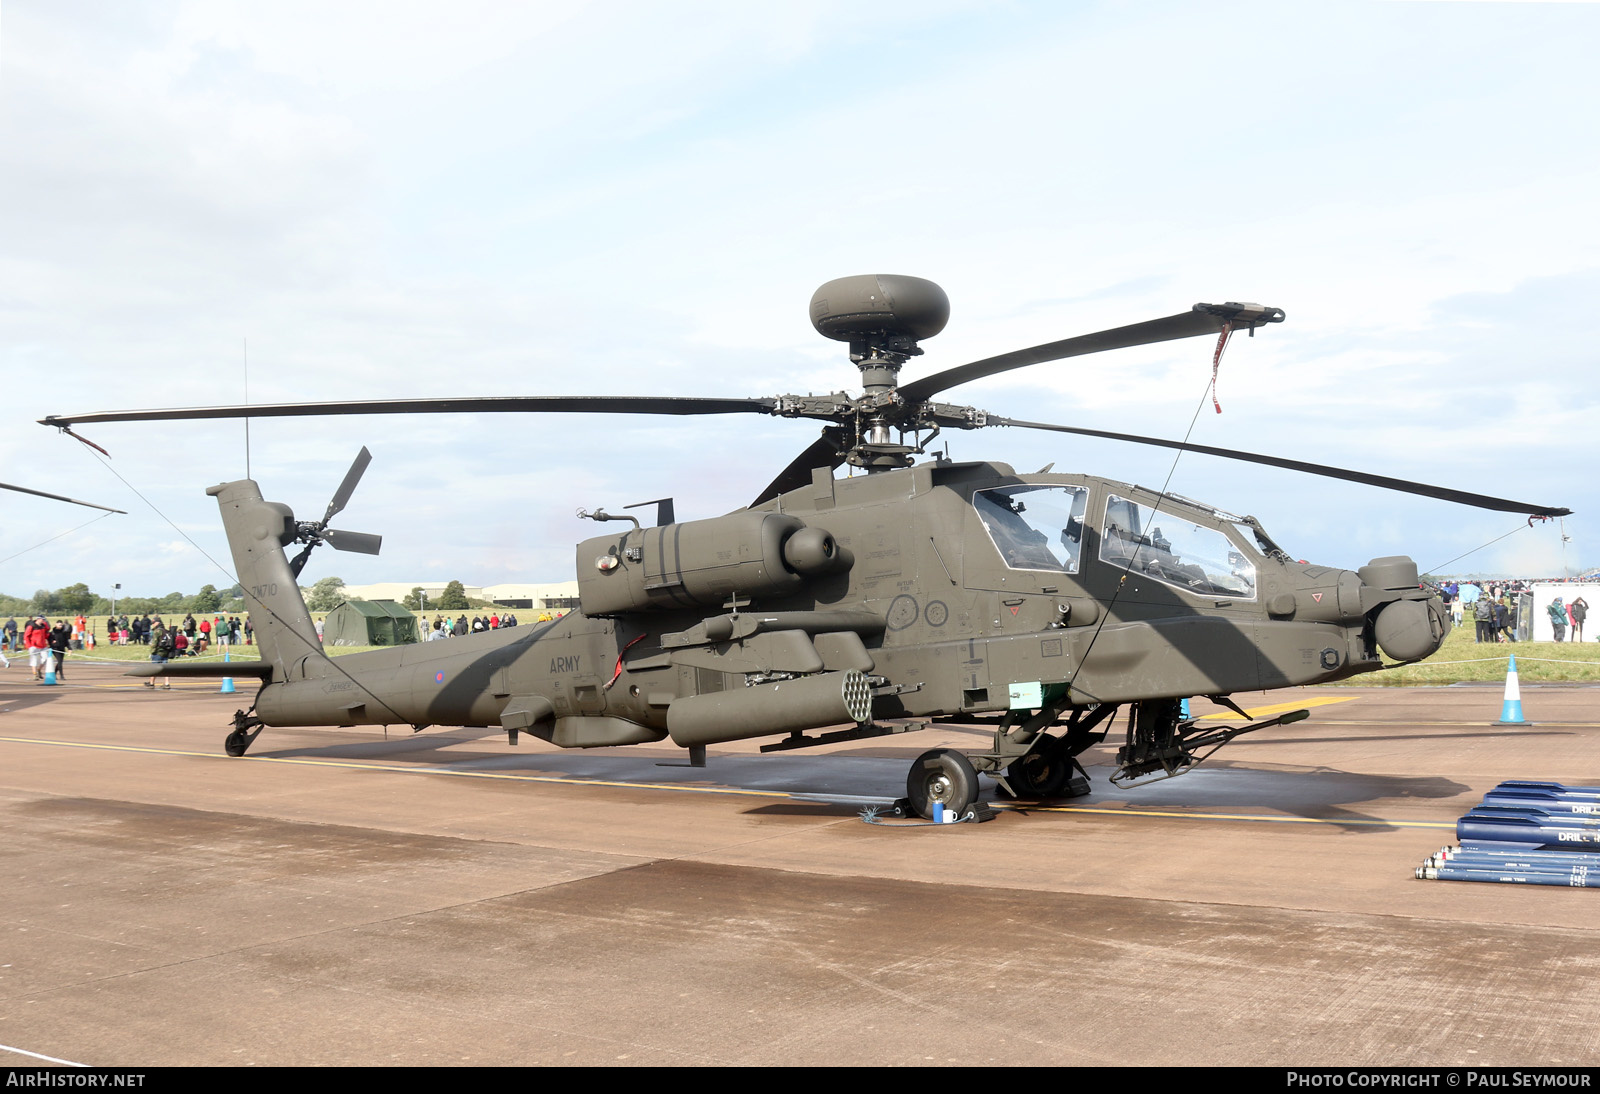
x=203, y=669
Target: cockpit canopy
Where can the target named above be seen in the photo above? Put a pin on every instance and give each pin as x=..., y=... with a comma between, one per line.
x=1035, y=527
x=1173, y=550
x=1041, y=528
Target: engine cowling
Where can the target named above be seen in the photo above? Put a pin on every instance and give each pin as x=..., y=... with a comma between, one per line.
x=700, y=563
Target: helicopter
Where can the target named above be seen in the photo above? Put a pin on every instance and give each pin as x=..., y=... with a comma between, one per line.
x=844, y=608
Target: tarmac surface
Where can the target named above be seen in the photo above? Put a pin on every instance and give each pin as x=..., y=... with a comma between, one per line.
x=342, y=897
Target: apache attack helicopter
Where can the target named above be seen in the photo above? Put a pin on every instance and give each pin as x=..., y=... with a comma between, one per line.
x=917, y=593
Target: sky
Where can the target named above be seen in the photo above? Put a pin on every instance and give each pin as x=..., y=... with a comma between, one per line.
x=212, y=202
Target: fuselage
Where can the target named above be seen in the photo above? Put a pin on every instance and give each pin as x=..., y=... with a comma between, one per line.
x=965, y=585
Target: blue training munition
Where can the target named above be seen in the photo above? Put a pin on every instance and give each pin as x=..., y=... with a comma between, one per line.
x=1488, y=866
x=1574, y=880
x=1545, y=863
x=1525, y=831
x=1582, y=854
x=1554, y=818
x=1511, y=786
x=1536, y=799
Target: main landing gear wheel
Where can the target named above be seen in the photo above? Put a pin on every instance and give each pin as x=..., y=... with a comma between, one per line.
x=945, y=776
x=1042, y=773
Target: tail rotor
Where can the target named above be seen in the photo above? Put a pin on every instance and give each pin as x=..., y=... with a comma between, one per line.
x=313, y=532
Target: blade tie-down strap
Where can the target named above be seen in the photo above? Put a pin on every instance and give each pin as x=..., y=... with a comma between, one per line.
x=1216, y=361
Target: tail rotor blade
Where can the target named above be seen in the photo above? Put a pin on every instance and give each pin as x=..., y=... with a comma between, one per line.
x=362, y=543
x=341, y=496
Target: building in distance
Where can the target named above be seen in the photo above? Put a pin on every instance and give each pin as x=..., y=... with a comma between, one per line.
x=548, y=596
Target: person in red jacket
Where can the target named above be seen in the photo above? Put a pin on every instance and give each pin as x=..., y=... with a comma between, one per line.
x=37, y=639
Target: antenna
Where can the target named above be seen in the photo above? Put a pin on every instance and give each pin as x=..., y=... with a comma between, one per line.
x=246, y=341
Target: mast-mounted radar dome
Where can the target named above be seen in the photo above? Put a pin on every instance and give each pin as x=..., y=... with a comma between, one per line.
x=868, y=307
x=882, y=316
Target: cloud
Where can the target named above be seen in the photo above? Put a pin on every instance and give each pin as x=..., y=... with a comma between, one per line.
x=419, y=199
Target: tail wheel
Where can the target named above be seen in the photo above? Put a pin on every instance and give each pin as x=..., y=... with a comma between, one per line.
x=943, y=776
x=1042, y=773
x=246, y=728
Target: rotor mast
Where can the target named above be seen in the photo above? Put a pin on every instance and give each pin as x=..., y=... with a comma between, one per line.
x=879, y=360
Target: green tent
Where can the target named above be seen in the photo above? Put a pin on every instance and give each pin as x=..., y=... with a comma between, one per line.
x=369, y=623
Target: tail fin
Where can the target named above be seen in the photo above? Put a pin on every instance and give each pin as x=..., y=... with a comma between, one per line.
x=257, y=532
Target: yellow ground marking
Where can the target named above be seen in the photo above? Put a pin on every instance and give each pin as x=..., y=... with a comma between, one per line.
x=1540, y=723
x=809, y=797
x=1279, y=708
x=205, y=685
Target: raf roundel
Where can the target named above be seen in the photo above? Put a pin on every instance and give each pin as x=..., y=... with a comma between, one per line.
x=438, y=677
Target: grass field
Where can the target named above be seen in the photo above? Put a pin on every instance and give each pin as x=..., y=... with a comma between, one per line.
x=1462, y=660
x=1459, y=660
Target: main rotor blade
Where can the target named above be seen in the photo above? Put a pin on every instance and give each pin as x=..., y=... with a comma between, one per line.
x=362, y=543
x=540, y=404
x=59, y=497
x=823, y=452
x=341, y=496
x=1202, y=319
x=1406, y=486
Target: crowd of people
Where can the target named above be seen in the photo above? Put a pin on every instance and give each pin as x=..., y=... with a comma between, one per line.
x=1495, y=607
x=47, y=644
x=191, y=637
x=445, y=628
x=198, y=634
x=1492, y=608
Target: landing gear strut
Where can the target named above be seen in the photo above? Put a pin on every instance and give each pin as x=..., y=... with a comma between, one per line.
x=1042, y=773
x=1029, y=763
x=246, y=727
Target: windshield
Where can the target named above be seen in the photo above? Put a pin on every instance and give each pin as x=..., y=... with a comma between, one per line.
x=1175, y=551
x=1035, y=527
